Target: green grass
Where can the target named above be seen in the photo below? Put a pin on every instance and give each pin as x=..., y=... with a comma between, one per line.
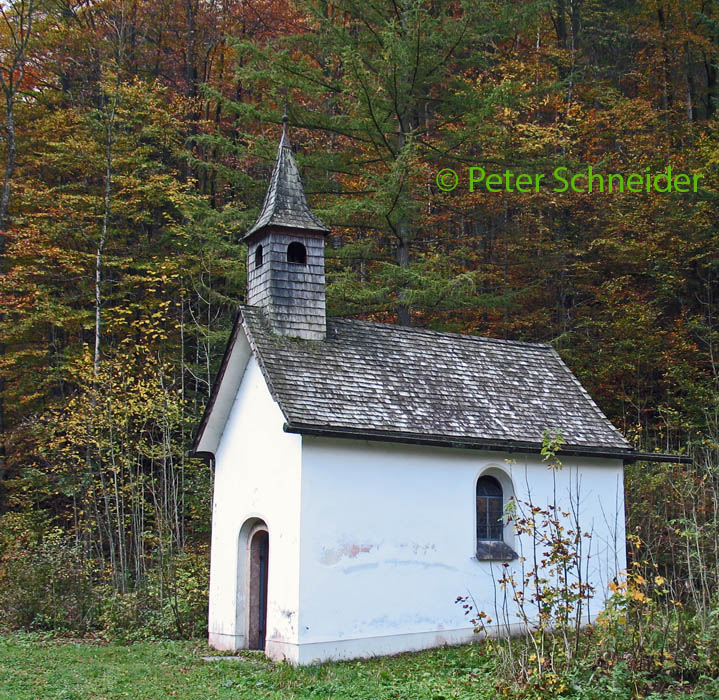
x=37, y=667
x=33, y=667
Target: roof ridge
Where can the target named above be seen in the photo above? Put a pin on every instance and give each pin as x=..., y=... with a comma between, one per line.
x=451, y=334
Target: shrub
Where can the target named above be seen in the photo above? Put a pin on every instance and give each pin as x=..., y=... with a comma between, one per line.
x=48, y=583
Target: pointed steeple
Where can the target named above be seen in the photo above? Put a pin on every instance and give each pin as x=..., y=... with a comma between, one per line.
x=286, y=254
x=285, y=202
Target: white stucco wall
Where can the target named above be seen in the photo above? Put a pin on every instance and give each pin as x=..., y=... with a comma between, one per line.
x=388, y=540
x=257, y=476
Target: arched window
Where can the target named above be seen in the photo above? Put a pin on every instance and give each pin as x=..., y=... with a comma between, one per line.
x=296, y=253
x=258, y=256
x=490, y=510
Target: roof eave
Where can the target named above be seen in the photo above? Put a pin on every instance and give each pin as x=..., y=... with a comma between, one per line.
x=660, y=457
x=514, y=446
x=259, y=229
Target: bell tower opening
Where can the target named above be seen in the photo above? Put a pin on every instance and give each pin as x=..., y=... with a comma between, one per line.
x=296, y=253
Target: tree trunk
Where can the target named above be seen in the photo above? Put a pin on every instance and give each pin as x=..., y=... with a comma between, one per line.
x=190, y=48
x=15, y=72
x=688, y=75
x=667, y=92
x=4, y=204
x=710, y=67
x=404, y=317
x=9, y=166
x=103, y=231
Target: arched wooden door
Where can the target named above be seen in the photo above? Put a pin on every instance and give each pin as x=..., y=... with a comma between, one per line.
x=257, y=600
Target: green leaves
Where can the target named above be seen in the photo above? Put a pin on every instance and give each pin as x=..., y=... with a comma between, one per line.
x=552, y=442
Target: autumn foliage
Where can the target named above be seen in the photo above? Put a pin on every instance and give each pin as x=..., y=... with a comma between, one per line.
x=138, y=139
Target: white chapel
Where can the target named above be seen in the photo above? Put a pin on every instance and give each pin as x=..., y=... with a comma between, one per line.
x=363, y=471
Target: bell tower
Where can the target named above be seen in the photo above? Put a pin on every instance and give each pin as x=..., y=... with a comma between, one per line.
x=285, y=254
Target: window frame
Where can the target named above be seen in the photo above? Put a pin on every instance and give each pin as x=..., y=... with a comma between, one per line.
x=492, y=528
x=501, y=549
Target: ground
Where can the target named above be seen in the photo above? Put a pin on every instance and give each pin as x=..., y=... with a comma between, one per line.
x=33, y=667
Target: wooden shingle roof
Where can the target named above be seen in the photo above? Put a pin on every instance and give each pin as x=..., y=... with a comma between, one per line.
x=383, y=381
x=285, y=203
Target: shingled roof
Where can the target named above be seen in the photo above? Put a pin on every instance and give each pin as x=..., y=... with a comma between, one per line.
x=386, y=381
x=285, y=203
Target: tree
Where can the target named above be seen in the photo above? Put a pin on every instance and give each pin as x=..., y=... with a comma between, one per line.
x=16, y=30
x=385, y=90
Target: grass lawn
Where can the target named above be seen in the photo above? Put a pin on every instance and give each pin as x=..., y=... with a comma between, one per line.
x=33, y=668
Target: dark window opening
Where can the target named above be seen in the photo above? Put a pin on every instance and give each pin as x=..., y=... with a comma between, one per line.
x=296, y=253
x=258, y=256
x=490, y=507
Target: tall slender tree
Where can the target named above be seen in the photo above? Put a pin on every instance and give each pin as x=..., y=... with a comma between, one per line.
x=16, y=32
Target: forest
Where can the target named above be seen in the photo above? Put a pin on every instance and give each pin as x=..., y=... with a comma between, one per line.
x=136, y=142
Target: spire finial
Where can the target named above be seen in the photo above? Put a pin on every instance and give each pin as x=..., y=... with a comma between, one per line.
x=285, y=119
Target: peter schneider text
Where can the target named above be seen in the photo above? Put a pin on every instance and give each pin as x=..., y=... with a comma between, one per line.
x=562, y=179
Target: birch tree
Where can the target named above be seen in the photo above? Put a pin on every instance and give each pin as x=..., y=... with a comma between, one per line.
x=16, y=31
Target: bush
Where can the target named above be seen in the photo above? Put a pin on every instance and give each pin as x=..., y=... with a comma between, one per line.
x=171, y=603
x=47, y=583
